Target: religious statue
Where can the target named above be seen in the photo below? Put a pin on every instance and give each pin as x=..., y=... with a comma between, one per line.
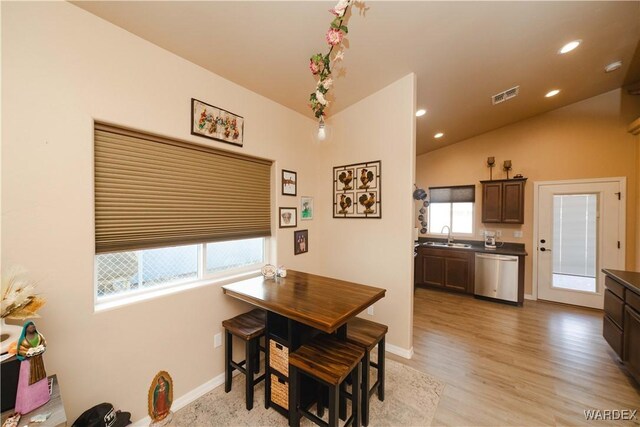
x=33, y=386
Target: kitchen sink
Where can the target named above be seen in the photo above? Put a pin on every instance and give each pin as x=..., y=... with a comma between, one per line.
x=447, y=245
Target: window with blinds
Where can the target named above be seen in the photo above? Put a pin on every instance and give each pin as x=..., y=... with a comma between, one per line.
x=451, y=207
x=170, y=212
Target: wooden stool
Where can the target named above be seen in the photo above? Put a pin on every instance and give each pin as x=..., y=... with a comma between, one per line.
x=367, y=334
x=328, y=361
x=249, y=327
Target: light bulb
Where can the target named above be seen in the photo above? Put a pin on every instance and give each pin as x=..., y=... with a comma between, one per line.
x=322, y=134
x=323, y=130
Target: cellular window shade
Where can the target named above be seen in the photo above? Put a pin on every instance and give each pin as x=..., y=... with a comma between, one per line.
x=457, y=194
x=152, y=192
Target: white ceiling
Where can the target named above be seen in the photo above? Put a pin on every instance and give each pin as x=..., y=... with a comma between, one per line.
x=462, y=52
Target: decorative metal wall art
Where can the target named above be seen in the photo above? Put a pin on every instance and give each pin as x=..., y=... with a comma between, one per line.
x=357, y=190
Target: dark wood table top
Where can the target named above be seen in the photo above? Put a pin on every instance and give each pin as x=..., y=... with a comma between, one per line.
x=320, y=302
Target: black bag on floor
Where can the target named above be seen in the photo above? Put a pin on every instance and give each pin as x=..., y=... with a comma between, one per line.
x=103, y=415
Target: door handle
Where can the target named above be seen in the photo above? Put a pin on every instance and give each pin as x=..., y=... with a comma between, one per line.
x=545, y=250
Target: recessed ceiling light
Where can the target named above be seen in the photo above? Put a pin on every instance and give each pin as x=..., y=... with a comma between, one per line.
x=569, y=47
x=438, y=135
x=552, y=93
x=421, y=112
x=613, y=66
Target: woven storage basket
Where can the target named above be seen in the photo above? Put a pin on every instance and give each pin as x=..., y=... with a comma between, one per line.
x=279, y=392
x=279, y=357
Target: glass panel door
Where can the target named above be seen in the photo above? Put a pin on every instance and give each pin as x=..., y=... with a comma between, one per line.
x=575, y=241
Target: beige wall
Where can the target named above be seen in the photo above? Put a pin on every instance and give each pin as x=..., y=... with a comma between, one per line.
x=375, y=251
x=62, y=68
x=587, y=139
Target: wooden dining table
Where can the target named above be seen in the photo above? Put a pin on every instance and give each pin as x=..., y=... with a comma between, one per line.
x=299, y=307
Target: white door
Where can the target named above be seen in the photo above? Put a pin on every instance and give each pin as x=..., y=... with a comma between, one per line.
x=580, y=230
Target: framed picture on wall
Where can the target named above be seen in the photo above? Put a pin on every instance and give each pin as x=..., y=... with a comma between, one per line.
x=357, y=190
x=288, y=217
x=306, y=208
x=289, y=183
x=215, y=123
x=300, y=242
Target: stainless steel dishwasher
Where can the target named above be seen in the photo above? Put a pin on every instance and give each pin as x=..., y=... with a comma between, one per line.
x=497, y=277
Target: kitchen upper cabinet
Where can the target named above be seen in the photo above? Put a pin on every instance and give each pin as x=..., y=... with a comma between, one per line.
x=503, y=201
x=446, y=269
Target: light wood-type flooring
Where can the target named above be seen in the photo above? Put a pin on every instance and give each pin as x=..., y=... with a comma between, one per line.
x=541, y=364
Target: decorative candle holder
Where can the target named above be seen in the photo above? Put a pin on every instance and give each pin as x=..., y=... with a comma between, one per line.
x=507, y=167
x=491, y=162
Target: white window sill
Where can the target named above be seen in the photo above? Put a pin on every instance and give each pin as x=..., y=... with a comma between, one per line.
x=169, y=290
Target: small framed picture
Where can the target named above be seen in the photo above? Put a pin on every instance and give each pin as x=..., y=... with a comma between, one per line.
x=288, y=217
x=215, y=123
x=306, y=208
x=289, y=183
x=300, y=242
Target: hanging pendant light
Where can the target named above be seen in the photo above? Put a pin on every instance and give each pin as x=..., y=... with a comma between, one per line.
x=323, y=130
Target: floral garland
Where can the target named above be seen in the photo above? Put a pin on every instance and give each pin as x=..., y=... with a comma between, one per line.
x=320, y=64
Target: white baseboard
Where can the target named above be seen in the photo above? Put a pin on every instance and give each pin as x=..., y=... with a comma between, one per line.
x=407, y=353
x=530, y=297
x=185, y=399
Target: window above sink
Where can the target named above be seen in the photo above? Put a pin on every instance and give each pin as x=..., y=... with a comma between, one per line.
x=451, y=207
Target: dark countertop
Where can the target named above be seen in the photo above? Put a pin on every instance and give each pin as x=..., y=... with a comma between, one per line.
x=629, y=279
x=478, y=246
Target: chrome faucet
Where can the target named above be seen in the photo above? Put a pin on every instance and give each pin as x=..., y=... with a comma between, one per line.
x=449, y=238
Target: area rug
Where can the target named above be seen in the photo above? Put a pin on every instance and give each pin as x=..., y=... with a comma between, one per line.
x=411, y=399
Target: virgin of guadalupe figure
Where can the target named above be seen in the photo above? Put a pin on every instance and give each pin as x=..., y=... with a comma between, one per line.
x=33, y=388
x=160, y=399
x=162, y=405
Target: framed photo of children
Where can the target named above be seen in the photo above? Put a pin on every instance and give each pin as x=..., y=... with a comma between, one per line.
x=300, y=242
x=289, y=183
x=288, y=217
x=357, y=190
x=215, y=123
x=306, y=207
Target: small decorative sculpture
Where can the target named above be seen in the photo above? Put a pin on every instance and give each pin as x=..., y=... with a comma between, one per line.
x=160, y=399
x=33, y=387
x=282, y=272
x=507, y=167
x=491, y=162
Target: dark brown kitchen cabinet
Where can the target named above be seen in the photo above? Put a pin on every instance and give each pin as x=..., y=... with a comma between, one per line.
x=445, y=269
x=621, y=322
x=631, y=341
x=503, y=201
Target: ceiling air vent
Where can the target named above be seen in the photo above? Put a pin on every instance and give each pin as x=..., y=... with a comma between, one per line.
x=506, y=95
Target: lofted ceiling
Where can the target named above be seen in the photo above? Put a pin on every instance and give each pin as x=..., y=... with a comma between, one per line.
x=461, y=52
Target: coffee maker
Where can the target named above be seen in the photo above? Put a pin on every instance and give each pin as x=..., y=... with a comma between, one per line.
x=489, y=239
